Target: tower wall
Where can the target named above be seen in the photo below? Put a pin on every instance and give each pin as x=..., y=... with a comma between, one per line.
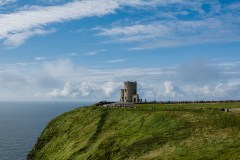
x=122, y=95
x=130, y=89
x=135, y=98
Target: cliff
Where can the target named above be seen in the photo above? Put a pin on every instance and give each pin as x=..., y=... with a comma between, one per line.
x=147, y=132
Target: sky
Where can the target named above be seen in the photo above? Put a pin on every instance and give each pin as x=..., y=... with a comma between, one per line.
x=85, y=49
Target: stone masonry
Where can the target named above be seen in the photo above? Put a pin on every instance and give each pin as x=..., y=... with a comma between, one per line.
x=129, y=92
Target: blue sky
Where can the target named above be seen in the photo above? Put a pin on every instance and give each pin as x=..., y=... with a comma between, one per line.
x=86, y=49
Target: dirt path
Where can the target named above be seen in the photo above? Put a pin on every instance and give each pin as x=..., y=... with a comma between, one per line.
x=237, y=110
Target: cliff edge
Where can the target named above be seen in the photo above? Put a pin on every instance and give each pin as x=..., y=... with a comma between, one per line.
x=146, y=132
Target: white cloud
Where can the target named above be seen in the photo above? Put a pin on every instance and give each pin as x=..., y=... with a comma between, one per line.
x=26, y=21
x=117, y=60
x=54, y=1
x=170, y=26
x=219, y=91
x=199, y=71
x=169, y=89
x=3, y=2
x=141, y=31
x=63, y=79
x=68, y=91
x=158, y=91
x=29, y=20
x=17, y=39
x=40, y=58
x=91, y=53
x=145, y=3
x=234, y=6
x=154, y=83
x=175, y=32
x=73, y=54
x=111, y=88
x=59, y=68
x=87, y=90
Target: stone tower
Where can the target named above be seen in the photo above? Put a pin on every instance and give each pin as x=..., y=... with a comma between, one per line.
x=129, y=93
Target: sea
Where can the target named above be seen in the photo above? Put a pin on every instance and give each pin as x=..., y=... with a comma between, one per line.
x=21, y=123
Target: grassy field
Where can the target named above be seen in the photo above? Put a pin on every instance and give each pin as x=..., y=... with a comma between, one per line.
x=150, y=131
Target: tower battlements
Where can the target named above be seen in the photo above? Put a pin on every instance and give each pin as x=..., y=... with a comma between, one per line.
x=130, y=83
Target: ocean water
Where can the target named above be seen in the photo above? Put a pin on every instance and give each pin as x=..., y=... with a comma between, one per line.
x=21, y=123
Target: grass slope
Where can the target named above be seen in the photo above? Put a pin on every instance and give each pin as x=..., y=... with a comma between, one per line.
x=179, y=131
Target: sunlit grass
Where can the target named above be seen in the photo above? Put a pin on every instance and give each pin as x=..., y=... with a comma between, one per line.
x=150, y=131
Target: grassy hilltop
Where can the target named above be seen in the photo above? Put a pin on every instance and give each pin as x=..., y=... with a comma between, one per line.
x=157, y=131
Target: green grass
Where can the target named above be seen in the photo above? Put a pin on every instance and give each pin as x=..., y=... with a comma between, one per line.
x=151, y=131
